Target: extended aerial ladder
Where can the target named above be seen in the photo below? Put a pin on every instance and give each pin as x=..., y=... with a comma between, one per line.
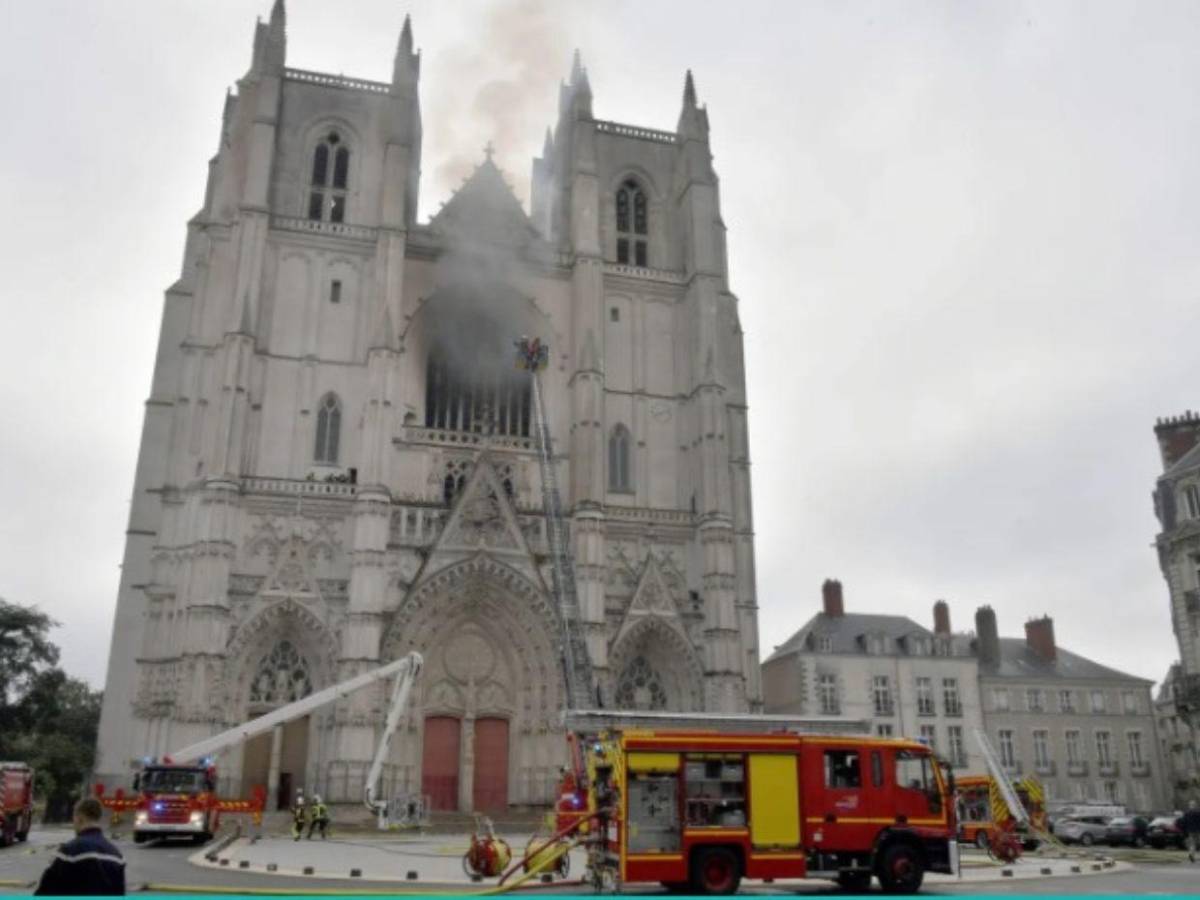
x=405, y=671
x=532, y=356
x=1008, y=792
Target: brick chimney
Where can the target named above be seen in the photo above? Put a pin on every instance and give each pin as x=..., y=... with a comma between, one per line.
x=987, y=637
x=1176, y=436
x=941, y=618
x=831, y=594
x=1039, y=635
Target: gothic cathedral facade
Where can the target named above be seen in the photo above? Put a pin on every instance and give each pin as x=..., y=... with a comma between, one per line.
x=338, y=461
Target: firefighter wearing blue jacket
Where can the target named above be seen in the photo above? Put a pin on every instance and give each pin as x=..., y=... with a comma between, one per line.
x=89, y=864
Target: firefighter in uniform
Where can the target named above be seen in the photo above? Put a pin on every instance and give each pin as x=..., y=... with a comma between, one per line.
x=299, y=811
x=318, y=817
x=89, y=864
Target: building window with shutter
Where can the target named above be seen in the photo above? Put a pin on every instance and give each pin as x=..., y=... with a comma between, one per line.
x=1033, y=699
x=958, y=749
x=1008, y=752
x=1041, y=749
x=1191, y=499
x=951, y=697
x=925, y=706
x=827, y=695
x=929, y=736
x=1066, y=701
x=1136, y=760
x=1103, y=749
x=881, y=693
x=1074, y=757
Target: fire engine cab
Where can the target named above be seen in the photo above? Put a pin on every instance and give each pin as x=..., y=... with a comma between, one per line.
x=176, y=800
x=699, y=810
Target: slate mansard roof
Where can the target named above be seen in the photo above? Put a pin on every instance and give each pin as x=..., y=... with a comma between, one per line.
x=848, y=631
x=1018, y=660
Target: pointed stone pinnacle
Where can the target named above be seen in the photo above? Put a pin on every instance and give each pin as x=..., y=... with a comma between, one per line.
x=406, y=35
x=576, y=68
x=689, y=90
x=548, y=146
x=278, y=13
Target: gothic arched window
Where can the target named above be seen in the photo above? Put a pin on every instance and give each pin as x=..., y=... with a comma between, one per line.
x=329, y=426
x=620, y=474
x=482, y=399
x=632, y=224
x=640, y=687
x=330, y=176
x=282, y=676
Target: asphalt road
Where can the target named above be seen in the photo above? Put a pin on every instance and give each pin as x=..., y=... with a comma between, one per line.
x=167, y=863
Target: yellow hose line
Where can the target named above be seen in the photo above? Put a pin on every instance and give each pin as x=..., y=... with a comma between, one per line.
x=4, y=883
x=323, y=892
x=533, y=872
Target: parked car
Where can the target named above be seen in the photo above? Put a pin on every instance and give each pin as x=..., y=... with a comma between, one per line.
x=1164, y=831
x=1127, y=830
x=1086, y=830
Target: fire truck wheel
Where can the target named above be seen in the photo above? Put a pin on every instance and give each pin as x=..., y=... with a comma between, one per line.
x=901, y=870
x=139, y=838
x=854, y=882
x=715, y=870
x=981, y=839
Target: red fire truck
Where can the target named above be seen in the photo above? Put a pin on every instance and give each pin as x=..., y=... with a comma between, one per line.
x=699, y=811
x=176, y=800
x=16, y=802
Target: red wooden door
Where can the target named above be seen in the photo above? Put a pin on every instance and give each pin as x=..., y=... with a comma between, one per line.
x=439, y=761
x=491, y=764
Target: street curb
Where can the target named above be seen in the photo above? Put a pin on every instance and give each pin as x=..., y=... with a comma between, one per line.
x=211, y=853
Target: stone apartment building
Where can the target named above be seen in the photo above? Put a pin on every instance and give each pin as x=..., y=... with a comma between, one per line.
x=1177, y=506
x=887, y=670
x=1086, y=731
x=339, y=465
x=1178, y=738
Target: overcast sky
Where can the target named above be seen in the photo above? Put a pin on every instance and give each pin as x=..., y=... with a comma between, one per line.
x=963, y=236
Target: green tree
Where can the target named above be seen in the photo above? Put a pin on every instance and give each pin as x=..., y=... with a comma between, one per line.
x=47, y=718
x=25, y=653
x=59, y=741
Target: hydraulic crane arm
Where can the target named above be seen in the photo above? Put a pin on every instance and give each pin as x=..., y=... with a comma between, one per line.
x=409, y=665
x=400, y=692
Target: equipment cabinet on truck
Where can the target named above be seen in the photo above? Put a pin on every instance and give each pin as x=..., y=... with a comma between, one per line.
x=702, y=810
x=16, y=802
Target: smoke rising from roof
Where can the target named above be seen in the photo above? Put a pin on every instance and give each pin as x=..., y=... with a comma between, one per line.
x=476, y=314
x=500, y=81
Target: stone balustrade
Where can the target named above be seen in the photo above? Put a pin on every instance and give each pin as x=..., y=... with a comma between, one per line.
x=635, y=131
x=298, y=486
x=315, y=226
x=336, y=81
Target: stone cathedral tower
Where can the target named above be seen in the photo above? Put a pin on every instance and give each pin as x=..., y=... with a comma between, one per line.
x=337, y=464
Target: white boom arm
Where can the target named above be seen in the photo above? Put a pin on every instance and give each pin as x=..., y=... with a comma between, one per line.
x=407, y=668
x=1015, y=806
x=400, y=691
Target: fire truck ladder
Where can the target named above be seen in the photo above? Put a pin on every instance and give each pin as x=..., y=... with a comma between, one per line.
x=1007, y=791
x=532, y=355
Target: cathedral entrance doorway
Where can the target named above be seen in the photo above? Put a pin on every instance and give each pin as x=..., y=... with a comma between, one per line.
x=491, y=764
x=440, y=760
x=277, y=761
